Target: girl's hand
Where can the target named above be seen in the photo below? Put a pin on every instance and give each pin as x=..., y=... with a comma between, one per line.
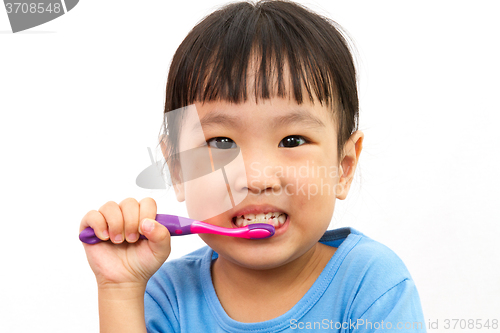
x=126, y=261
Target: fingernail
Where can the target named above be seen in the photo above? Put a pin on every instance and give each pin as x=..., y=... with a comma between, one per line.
x=147, y=225
x=132, y=237
x=105, y=234
x=118, y=238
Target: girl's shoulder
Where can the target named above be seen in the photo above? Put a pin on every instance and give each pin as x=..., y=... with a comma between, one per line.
x=366, y=271
x=359, y=252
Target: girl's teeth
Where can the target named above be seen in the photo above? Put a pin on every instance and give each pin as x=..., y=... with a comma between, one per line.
x=276, y=219
x=239, y=221
x=260, y=217
x=275, y=222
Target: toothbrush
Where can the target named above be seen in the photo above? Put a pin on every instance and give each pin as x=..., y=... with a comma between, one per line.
x=179, y=226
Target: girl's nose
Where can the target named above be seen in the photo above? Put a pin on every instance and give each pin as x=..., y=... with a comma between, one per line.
x=262, y=176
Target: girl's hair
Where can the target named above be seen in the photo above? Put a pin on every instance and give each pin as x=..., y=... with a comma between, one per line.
x=213, y=60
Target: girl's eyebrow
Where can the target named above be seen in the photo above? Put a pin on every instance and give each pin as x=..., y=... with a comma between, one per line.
x=297, y=116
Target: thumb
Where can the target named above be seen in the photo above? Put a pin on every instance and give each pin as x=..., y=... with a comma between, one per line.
x=158, y=238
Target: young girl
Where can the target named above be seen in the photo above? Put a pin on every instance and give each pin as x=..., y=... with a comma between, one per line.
x=277, y=82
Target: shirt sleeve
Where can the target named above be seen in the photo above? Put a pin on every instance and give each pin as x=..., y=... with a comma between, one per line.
x=397, y=310
x=159, y=319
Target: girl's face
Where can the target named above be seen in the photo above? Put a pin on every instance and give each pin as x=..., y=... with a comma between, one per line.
x=289, y=154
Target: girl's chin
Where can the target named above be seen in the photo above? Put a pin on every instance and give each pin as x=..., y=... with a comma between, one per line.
x=257, y=262
x=258, y=257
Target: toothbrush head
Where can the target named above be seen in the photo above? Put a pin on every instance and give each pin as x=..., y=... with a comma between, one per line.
x=260, y=230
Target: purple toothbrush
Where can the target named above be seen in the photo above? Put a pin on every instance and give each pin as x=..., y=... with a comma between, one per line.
x=178, y=226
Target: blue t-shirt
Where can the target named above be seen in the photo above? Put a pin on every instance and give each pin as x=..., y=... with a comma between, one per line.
x=365, y=287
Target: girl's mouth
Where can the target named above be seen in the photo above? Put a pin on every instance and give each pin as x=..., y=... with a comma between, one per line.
x=276, y=219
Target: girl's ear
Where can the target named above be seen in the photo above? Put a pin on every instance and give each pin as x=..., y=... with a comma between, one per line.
x=175, y=174
x=352, y=150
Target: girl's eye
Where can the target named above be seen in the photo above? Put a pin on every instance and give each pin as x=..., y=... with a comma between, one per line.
x=292, y=141
x=221, y=143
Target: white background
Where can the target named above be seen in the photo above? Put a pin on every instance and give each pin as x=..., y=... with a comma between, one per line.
x=81, y=99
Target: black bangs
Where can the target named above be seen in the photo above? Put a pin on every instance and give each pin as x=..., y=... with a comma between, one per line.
x=279, y=47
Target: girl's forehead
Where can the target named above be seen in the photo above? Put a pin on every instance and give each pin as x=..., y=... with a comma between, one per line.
x=278, y=112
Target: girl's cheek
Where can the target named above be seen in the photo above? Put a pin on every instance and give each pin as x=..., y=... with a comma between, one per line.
x=207, y=196
x=313, y=183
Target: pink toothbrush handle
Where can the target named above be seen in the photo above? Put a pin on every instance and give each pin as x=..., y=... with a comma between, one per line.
x=189, y=226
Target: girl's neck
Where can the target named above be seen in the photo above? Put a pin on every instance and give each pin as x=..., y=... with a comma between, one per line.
x=256, y=295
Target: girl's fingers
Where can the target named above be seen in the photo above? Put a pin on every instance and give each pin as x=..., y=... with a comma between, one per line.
x=147, y=209
x=114, y=218
x=96, y=221
x=158, y=238
x=130, y=212
x=157, y=235
x=120, y=223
